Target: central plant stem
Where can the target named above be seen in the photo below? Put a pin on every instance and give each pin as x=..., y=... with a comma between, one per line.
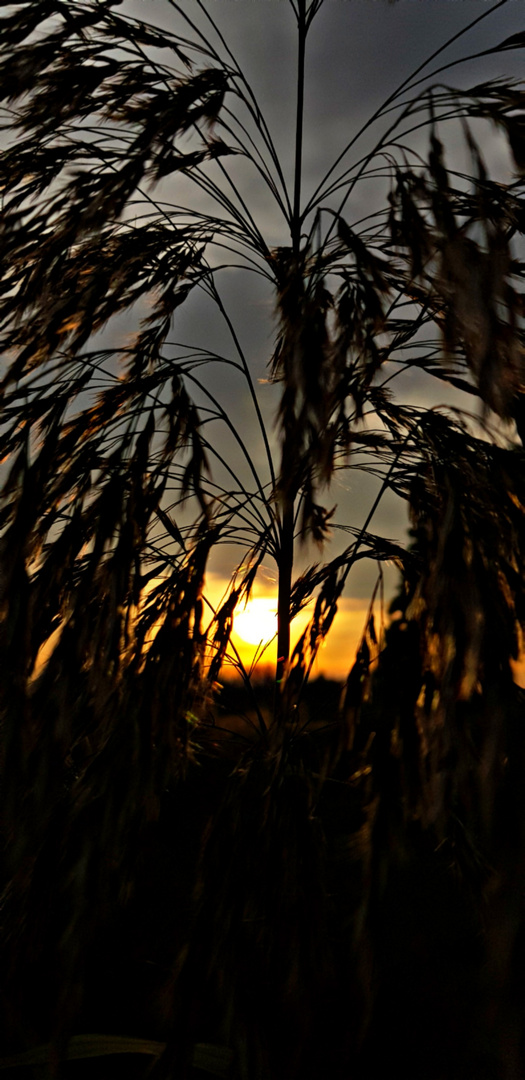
x=285, y=588
x=286, y=553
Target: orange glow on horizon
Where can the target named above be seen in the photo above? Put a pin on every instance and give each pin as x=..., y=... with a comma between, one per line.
x=254, y=635
x=255, y=625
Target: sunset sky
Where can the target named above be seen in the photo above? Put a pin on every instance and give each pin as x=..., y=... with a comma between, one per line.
x=258, y=622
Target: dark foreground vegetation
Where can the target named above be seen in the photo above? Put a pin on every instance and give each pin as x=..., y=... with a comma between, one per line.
x=276, y=881
x=297, y=912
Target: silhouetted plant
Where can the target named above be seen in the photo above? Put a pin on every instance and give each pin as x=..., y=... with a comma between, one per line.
x=117, y=489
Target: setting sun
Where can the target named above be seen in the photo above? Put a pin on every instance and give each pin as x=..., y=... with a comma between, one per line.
x=256, y=623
